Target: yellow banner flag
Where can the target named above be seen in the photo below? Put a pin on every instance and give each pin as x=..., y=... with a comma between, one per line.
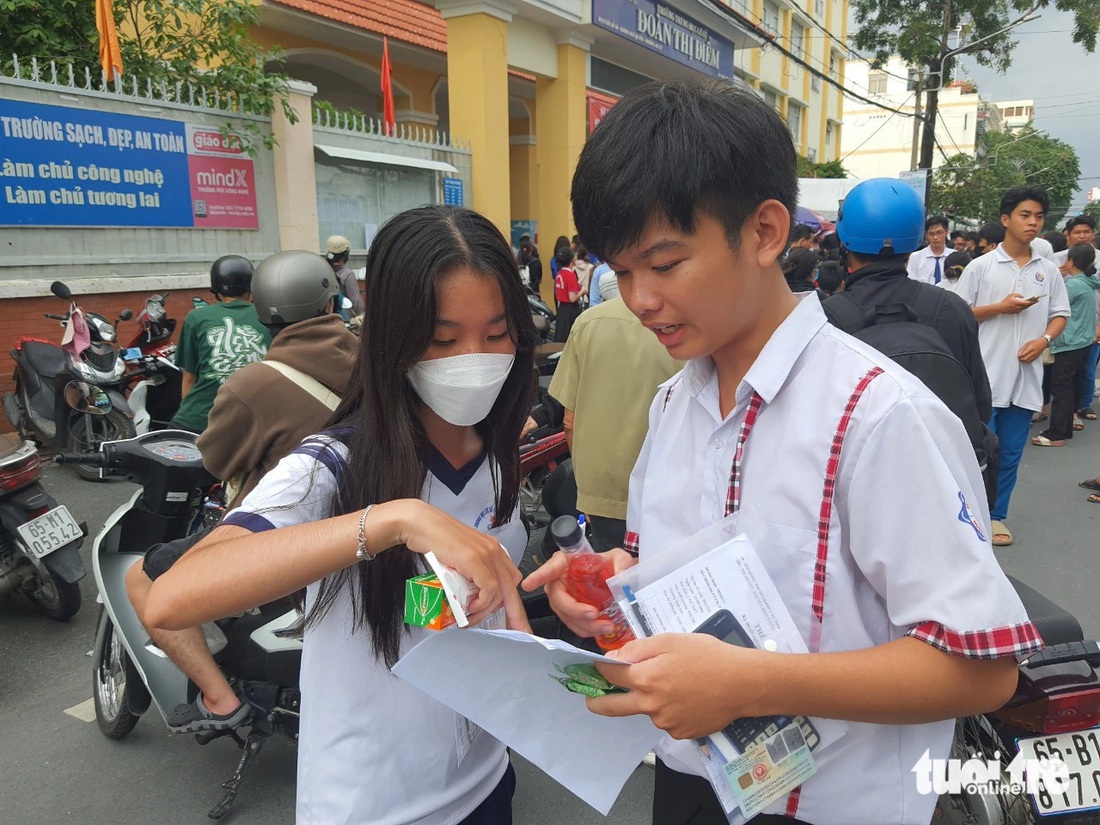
x=110, y=56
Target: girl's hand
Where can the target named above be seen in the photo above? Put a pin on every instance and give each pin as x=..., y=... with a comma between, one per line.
x=473, y=554
x=583, y=619
x=689, y=684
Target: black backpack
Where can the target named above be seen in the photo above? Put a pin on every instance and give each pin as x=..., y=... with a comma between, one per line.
x=901, y=332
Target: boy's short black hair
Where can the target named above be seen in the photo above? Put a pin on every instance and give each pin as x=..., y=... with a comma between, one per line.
x=1056, y=240
x=992, y=232
x=800, y=232
x=936, y=220
x=1014, y=197
x=674, y=151
x=830, y=275
x=1077, y=220
x=972, y=237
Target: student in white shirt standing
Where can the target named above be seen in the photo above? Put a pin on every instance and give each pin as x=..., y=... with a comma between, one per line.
x=872, y=497
x=927, y=264
x=1021, y=305
x=422, y=457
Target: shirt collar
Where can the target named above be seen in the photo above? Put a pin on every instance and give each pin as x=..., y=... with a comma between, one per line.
x=1004, y=257
x=928, y=253
x=774, y=364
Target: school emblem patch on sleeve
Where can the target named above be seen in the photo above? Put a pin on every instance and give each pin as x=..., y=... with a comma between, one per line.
x=966, y=516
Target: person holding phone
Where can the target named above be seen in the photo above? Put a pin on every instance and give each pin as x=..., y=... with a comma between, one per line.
x=1021, y=304
x=909, y=622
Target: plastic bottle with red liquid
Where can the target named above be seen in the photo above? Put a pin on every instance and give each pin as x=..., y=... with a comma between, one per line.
x=586, y=579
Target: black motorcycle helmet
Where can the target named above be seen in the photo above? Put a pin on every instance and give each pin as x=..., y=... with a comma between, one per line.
x=231, y=276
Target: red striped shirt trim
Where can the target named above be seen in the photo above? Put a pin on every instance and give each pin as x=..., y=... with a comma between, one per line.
x=792, y=802
x=1011, y=640
x=831, y=471
x=733, y=492
x=630, y=542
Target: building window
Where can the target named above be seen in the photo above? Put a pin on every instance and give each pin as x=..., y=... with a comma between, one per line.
x=815, y=83
x=794, y=122
x=828, y=134
x=771, y=16
x=819, y=8
x=797, y=40
x=771, y=99
x=811, y=155
x=832, y=65
x=876, y=83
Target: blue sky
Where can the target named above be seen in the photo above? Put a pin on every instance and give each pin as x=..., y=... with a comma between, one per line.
x=1064, y=81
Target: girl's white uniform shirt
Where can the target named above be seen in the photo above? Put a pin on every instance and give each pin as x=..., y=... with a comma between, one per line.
x=987, y=280
x=906, y=549
x=372, y=748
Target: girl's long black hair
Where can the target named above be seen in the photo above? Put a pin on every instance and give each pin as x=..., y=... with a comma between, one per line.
x=378, y=418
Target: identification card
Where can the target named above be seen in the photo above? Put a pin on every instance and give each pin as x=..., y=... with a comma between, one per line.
x=769, y=771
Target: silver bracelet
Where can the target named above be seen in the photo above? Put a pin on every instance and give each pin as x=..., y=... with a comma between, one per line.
x=361, y=553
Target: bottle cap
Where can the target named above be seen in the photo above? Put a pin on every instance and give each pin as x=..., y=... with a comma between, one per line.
x=566, y=531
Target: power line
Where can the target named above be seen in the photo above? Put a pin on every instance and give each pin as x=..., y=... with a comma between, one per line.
x=879, y=129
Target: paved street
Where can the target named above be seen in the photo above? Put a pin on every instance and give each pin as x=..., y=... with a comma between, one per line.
x=59, y=768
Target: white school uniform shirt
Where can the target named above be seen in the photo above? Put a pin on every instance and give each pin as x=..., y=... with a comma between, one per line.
x=987, y=280
x=372, y=749
x=922, y=264
x=904, y=551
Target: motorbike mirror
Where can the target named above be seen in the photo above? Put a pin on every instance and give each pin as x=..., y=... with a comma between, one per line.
x=86, y=398
x=61, y=291
x=126, y=315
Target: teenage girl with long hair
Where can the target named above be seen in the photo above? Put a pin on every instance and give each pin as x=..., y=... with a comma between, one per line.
x=422, y=455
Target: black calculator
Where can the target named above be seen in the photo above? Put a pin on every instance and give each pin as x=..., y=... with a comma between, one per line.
x=753, y=730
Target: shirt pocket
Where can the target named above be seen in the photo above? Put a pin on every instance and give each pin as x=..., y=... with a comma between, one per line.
x=790, y=554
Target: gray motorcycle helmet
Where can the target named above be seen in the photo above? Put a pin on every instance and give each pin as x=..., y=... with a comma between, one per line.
x=292, y=286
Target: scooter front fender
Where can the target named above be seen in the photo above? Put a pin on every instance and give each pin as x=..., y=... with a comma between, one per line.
x=118, y=402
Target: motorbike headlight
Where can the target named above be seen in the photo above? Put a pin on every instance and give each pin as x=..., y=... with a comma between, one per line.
x=85, y=371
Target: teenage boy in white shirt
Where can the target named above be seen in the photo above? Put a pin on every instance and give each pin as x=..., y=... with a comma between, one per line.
x=926, y=265
x=886, y=568
x=1020, y=301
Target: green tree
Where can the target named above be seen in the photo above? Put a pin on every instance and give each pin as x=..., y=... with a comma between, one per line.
x=968, y=188
x=205, y=44
x=806, y=168
x=61, y=30
x=919, y=33
x=172, y=43
x=1093, y=209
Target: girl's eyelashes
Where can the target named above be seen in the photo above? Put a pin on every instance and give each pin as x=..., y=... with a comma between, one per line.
x=501, y=337
x=436, y=343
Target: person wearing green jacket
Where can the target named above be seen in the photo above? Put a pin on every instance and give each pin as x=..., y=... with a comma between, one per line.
x=1071, y=348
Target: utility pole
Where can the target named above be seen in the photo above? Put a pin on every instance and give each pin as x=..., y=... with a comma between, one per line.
x=917, y=121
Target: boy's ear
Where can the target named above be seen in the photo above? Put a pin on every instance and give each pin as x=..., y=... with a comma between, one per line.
x=770, y=227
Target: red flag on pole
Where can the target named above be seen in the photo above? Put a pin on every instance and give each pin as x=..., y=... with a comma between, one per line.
x=110, y=56
x=389, y=119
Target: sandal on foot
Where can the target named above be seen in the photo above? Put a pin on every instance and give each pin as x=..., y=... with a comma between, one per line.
x=1043, y=441
x=1038, y=418
x=1093, y=499
x=1091, y=484
x=1087, y=413
x=194, y=716
x=1002, y=536
x=1078, y=424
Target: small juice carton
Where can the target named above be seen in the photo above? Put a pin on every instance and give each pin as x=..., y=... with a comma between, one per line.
x=426, y=604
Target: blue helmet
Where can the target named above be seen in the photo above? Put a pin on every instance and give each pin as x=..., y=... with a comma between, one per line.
x=881, y=216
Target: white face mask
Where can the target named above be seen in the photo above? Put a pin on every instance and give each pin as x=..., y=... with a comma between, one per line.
x=461, y=389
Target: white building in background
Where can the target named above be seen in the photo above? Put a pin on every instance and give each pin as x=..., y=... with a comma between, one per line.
x=1016, y=113
x=878, y=143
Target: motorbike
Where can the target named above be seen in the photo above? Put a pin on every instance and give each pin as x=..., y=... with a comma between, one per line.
x=155, y=380
x=259, y=651
x=39, y=539
x=542, y=316
x=1055, y=713
x=71, y=396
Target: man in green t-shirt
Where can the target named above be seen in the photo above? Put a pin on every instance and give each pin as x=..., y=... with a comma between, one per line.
x=217, y=340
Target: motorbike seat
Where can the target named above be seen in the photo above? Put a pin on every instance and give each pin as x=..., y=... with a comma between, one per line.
x=47, y=360
x=1055, y=624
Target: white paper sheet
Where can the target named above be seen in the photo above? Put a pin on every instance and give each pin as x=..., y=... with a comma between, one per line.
x=501, y=681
